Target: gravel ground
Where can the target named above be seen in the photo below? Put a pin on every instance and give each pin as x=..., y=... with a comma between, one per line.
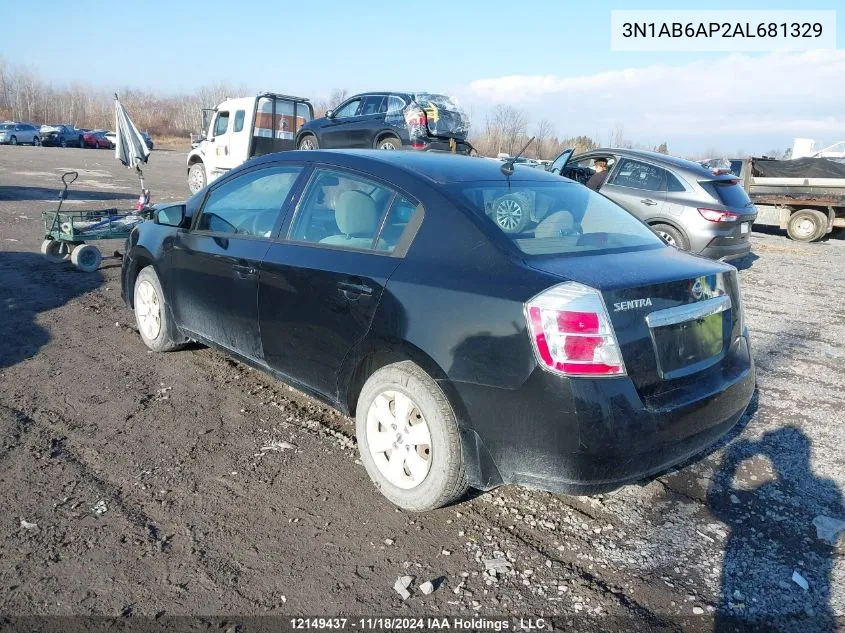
x=187, y=483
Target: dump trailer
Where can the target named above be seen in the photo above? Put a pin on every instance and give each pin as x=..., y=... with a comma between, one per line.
x=243, y=128
x=805, y=196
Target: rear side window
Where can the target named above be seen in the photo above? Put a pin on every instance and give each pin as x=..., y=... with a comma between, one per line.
x=239, y=121
x=672, y=183
x=637, y=175
x=344, y=210
x=249, y=204
x=556, y=218
x=731, y=194
x=395, y=104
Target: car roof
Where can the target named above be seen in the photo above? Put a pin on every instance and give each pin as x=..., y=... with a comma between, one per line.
x=656, y=157
x=437, y=167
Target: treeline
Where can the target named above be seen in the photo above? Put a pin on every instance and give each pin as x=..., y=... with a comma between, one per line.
x=26, y=97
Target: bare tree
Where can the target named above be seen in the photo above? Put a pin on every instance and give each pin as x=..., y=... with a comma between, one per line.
x=543, y=131
x=335, y=98
x=617, y=136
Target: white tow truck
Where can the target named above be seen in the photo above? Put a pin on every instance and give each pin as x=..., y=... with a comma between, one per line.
x=243, y=128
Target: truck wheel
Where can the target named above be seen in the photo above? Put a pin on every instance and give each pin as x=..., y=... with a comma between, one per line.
x=807, y=225
x=409, y=440
x=308, y=142
x=196, y=177
x=672, y=236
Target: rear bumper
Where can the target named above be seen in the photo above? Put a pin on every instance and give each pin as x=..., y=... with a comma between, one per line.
x=726, y=248
x=585, y=436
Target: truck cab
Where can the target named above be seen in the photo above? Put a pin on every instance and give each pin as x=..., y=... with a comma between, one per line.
x=243, y=128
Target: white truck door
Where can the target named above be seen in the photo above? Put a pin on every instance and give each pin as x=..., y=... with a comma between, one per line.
x=239, y=136
x=219, y=154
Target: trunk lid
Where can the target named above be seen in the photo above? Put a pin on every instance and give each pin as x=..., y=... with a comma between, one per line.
x=674, y=314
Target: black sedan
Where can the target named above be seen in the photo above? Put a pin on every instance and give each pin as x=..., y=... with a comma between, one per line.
x=577, y=356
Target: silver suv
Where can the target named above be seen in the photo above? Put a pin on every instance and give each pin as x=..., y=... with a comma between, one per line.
x=693, y=208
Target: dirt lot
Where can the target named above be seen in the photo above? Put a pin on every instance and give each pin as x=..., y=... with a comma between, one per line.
x=134, y=484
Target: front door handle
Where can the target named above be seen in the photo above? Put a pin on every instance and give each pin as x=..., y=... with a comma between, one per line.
x=244, y=270
x=354, y=288
x=648, y=202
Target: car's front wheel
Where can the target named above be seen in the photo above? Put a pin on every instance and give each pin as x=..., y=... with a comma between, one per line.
x=196, y=177
x=157, y=330
x=308, y=142
x=408, y=438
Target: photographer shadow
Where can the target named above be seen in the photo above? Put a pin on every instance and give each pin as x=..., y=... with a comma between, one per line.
x=767, y=495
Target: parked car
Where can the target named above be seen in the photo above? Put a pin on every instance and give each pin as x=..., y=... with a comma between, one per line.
x=390, y=120
x=689, y=206
x=97, y=139
x=577, y=357
x=19, y=133
x=112, y=136
x=61, y=136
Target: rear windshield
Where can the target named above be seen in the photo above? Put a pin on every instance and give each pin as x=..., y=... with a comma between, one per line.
x=557, y=218
x=732, y=195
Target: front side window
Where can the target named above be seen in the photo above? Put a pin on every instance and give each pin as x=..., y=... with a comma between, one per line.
x=638, y=175
x=222, y=123
x=567, y=219
x=339, y=209
x=239, y=121
x=348, y=109
x=249, y=204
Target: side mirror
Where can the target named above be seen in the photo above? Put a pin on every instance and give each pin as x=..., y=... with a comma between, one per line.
x=329, y=114
x=170, y=216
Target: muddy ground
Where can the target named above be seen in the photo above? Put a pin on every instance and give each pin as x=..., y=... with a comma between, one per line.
x=136, y=484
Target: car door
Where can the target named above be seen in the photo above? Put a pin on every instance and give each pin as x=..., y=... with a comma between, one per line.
x=336, y=131
x=214, y=266
x=559, y=163
x=638, y=186
x=320, y=285
x=362, y=131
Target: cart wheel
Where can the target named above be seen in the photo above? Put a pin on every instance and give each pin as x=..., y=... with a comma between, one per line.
x=55, y=251
x=86, y=258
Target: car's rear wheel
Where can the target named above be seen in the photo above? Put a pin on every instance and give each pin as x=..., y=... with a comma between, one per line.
x=308, y=142
x=408, y=438
x=63, y=143
x=154, y=325
x=81, y=143
x=36, y=141
x=13, y=140
x=807, y=225
x=511, y=213
x=196, y=177
x=389, y=142
x=671, y=236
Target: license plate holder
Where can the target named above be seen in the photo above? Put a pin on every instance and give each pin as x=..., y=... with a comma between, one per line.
x=745, y=227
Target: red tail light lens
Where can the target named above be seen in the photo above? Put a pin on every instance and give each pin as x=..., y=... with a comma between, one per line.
x=571, y=332
x=415, y=117
x=714, y=215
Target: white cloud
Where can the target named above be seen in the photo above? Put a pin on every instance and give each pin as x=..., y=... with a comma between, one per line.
x=768, y=97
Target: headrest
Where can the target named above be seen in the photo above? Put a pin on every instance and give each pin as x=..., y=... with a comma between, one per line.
x=553, y=224
x=355, y=213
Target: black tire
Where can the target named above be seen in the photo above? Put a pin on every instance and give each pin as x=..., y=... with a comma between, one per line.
x=13, y=140
x=389, y=142
x=511, y=213
x=167, y=337
x=807, y=225
x=196, y=177
x=446, y=480
x=63, y=143
x=672, y=235
x=81, y=143
x=36, y=141
x=308, y=142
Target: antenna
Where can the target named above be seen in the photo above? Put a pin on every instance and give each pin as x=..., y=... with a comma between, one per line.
x=507, y=166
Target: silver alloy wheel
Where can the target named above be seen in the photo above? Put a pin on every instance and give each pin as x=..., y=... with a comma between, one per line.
x=399, y=439
x=387, y=144
x=669, y=239
x=307, y=143
x=508, y=214
x=148, y=309
x=805, y=228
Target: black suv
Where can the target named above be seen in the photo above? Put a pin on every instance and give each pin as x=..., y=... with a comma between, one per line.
x=390, y=120
x=61, y=136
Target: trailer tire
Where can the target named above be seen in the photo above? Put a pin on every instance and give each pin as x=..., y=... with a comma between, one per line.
x=86, y=257
x=807, y=225
x=55, y=251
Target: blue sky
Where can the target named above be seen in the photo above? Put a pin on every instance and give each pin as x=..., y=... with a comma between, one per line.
x=440, y=46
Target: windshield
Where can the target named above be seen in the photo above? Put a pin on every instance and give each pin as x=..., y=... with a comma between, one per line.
x=6, y=126
x=557, y=218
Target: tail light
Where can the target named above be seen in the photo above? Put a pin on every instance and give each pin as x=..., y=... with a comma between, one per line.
x=714, y=215
x=415, y=117
x=571, y=332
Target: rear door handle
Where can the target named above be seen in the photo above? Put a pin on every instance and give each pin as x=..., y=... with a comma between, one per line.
x=354, y=288
x=648, y=202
